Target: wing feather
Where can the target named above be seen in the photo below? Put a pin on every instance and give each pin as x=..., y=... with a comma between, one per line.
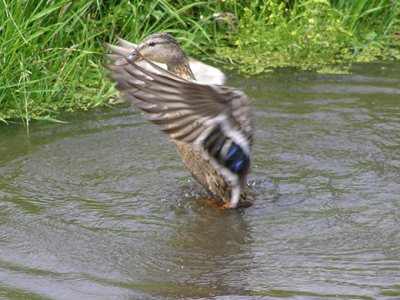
x=187, y=103
x=214, y=118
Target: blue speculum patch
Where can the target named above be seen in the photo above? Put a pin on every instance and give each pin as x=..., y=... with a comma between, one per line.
x=236, y=160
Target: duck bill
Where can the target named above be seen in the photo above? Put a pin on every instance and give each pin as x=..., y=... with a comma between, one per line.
x=129, y=59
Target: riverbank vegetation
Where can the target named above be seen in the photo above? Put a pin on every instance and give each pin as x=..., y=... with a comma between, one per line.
x=51, y=50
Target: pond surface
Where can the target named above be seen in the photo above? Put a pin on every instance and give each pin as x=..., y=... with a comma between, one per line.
x=102, y=207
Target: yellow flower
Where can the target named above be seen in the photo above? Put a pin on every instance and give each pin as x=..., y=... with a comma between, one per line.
x=237, y=42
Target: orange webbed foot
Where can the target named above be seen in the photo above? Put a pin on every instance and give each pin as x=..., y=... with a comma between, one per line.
x=218, y=205
x=225, y=206
x=213, y=203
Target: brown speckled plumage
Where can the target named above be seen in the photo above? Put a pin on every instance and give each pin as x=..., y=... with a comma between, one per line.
x=210, y=125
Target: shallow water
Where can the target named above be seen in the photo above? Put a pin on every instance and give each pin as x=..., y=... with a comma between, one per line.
x=102, y=207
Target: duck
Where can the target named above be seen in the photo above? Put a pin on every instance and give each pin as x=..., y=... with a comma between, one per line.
x=210, y=124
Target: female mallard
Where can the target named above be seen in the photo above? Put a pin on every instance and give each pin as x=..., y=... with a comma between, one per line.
x=210, y=125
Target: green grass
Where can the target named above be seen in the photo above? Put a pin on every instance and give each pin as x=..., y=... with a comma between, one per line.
x=48, y=55
x=310, y=34
x=51, y=50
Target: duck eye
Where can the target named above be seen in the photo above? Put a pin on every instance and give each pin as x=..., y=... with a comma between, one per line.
x=151, y=44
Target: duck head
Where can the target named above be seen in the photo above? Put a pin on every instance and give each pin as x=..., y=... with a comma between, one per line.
x=158, y=47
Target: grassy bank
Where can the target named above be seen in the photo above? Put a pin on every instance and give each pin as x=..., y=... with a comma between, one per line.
x=51, y=50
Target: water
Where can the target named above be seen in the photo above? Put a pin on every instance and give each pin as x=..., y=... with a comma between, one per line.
x=102, y=207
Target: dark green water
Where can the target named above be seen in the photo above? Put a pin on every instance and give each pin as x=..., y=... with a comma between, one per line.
x=102, y=208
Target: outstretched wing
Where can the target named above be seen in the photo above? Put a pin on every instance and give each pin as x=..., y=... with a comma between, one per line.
x=191, y=111
x=214, y=118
